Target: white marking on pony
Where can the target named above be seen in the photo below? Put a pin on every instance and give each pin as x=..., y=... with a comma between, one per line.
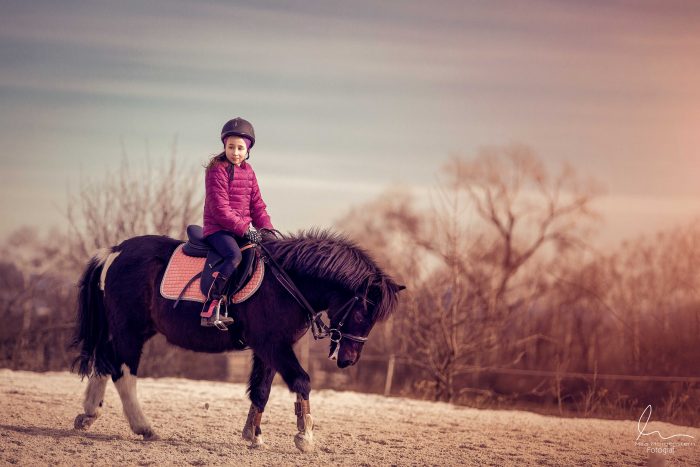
x=107, y=263
x=102, y=254
x=334, y=355
x=304, y=440
x=126, y=387
x=94, y=395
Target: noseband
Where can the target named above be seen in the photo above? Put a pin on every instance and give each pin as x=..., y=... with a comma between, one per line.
x=319, y=329
x=334, y=333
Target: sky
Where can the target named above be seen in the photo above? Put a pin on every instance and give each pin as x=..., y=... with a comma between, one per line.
x=351, y=98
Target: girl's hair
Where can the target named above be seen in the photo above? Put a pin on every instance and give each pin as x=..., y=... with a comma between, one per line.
x=221, y=157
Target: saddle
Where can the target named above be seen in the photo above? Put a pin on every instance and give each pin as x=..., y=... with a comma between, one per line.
x=196, y=261
x=198, y=247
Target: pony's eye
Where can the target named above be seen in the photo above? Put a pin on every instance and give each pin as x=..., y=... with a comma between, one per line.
x=359, y=318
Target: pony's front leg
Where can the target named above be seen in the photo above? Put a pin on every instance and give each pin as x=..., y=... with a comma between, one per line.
x=304, y=440
x=259, y=386
x=298, y=382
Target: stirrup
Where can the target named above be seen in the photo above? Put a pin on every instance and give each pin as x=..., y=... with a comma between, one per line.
x=210, y=322
x=220, y=325
x=217, y=320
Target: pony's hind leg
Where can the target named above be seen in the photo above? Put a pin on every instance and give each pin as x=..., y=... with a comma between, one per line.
x=298, y=381
x=94, y=397
x=126, y=387
x=259, y=386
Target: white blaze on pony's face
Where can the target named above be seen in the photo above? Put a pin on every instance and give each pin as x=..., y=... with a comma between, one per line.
x=236, y=150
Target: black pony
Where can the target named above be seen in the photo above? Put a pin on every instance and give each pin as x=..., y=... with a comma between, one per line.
x=120, y=308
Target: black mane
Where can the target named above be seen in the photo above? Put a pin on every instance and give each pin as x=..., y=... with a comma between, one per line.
x=334, y=257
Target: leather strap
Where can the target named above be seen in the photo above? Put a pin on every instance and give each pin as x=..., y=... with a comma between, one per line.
x=319, y=329
x=302, y=408
x=187, y=286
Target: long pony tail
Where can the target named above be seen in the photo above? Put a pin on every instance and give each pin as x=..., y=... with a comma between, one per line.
x=91, y=330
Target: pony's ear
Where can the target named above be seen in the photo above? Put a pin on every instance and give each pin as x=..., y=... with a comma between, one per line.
x=401, y=287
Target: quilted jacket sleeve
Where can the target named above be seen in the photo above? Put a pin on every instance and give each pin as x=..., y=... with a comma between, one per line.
x=258, y=208
x=217, y=197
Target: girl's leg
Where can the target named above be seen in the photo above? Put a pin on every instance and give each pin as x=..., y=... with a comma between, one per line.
x=225, y=244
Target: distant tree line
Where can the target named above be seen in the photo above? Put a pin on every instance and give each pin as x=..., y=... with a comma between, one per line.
x=507, y=299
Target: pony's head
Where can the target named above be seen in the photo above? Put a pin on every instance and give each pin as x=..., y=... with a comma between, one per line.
x=362, y=293
x=352, y=321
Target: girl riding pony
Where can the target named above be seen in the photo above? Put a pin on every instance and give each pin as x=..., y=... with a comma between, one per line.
x=233, y=207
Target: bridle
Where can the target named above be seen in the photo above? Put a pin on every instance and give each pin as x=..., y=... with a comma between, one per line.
x=319, y=328
x=334, y=333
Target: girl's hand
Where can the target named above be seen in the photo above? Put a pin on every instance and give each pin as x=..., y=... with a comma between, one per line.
x=253, y=235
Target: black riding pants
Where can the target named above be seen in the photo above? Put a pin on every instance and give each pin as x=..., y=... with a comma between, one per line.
x=225, y=244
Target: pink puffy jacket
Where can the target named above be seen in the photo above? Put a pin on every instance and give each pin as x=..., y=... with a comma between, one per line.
x=233, y=204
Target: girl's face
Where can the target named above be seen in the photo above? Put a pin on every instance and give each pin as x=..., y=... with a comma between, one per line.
x=236, y=150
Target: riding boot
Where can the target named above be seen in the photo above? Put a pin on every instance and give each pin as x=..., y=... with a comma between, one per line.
x=211, y=313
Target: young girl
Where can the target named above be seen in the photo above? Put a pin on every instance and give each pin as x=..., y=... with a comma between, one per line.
x=233, y=206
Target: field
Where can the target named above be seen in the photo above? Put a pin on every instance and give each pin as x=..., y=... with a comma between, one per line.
x=200, y=422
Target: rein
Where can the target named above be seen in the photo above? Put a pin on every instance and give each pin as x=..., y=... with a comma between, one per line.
x=319, y=329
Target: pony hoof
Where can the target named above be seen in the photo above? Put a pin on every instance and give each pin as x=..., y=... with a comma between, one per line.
x=83, y=421
x=150, y=435
x=257, y=443
x=247, y=434
x=304, y=442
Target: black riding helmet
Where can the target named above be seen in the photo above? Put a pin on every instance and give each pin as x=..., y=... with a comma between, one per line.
x=238, y=127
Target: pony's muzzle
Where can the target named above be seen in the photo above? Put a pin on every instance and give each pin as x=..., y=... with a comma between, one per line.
x=345, y=363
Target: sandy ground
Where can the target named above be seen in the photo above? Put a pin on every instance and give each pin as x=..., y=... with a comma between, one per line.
x=37, y=412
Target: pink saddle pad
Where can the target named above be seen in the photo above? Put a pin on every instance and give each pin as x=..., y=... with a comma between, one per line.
x=182, y=268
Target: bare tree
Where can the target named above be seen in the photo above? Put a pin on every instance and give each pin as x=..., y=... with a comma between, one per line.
x=35, y=301
x=46, y=266
x=525, y=208
x=655, y=290
x=467, y=258
x=153, y=201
